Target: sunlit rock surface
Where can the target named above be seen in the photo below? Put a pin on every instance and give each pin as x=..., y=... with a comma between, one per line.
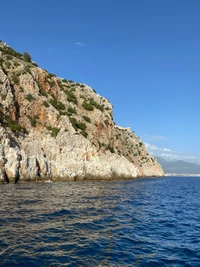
x=53, y=128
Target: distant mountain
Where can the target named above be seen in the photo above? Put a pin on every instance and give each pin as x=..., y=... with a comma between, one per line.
x=179, y=166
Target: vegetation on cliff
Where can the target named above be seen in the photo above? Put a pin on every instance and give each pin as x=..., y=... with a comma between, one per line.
x=34, y=102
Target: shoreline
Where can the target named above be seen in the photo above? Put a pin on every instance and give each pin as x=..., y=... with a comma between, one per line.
x=52, y=180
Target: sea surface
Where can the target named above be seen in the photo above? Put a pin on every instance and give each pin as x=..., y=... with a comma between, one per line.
x=143, y=222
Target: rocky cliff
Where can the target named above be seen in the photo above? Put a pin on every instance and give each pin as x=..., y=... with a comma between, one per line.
x=53, y=128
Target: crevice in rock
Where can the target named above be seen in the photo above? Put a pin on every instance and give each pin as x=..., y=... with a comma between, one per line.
x=44, y=155
x=4, y=71
x=17, y=177
x=38, y=168
x=16, y=104
x=6, y=180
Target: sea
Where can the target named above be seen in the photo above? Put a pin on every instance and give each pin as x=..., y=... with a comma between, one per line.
x=143, y=222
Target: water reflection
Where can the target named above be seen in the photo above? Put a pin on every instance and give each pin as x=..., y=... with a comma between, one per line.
x=117, y=223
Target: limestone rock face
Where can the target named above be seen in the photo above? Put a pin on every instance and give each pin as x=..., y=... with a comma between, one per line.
x=53, y=128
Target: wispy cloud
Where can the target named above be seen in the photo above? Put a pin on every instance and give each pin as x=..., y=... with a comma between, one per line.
x=149, y=137
x=155, y=148
x=79, y=43
x=52, y=48
x=169, y=154
x=49, y=49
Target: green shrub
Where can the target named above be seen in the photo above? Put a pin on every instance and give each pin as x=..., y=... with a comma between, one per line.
x=95, y=104
x=29, y=97
x=60, y=85
x=9, y=57
x=92, y=101
x=33, y=120
x=10, y=51
x=50, y=75
x=73, y=122
x=46, y=104
x=63, y=113
x=71, y=97
x=27, y=69
x=87, y=106
x=87, y=119
x=15, y=79
x=57, y=104
x=72, y=89
x=54, y=131
x=110, y=148
x=51, y=83
x=71, y=110
x=67, y=86
x=41, y=89
x=82, y=85
x=65, y=81
x=3, y=96
x=60, y=105
x=43, y=92
x=84, y=133
x=35, y=64
x=53, y=102
x=83, y=97
x=14, y=127
x=27, y=57
x=77, y=124
x=16, y=64
x=81, y=125
x=106, y=122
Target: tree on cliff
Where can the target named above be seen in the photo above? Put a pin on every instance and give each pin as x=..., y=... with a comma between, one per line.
x=27, y=57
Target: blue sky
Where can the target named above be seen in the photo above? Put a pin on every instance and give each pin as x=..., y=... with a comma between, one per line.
x=144, y=56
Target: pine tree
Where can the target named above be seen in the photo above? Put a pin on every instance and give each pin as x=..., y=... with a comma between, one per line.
x=27, y=57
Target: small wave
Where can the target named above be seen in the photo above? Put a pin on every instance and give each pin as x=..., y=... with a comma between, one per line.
x=143, y=223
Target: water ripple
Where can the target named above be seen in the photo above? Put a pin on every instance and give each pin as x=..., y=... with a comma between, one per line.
x=145, y=222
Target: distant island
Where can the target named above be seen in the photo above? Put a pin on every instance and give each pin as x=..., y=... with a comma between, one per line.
x=57, y=129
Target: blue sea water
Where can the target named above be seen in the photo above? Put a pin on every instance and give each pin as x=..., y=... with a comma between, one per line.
x=143, y=222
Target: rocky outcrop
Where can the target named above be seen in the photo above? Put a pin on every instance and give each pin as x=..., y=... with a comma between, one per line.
x=53, y=128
